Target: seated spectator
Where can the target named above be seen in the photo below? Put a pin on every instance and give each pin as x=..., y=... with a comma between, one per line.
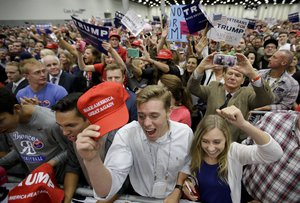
x=35, y=136
x=218, y=95
x=152, y=151
x=16, y=79
x=284, y=87
x=217, y=163
x=39, y=91
x=181, y=100
x=278, y=181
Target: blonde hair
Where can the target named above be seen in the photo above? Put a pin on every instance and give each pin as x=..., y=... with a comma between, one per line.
x=207, y=124
x=27, y=63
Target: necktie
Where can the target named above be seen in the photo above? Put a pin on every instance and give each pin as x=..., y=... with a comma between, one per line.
x=53, y=80
x=228, y=97
x=14, y=87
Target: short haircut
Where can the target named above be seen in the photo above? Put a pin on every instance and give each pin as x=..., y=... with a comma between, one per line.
x=114, y=66
x=283, y=32
x=28, y=62
x=288, y=55
x=50, y=56
x=15, y=64
x=68, y=103
x=154, y=92
x=7, y=101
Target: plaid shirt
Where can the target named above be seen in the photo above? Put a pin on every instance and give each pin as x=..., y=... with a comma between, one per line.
x=286, y=90
x=279, y=181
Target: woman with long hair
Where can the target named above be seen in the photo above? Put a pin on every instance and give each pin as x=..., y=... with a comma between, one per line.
x=181, y=101
x=217, y=163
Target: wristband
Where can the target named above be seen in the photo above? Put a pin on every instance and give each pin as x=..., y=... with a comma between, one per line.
x=255, y=79
x=179, y=187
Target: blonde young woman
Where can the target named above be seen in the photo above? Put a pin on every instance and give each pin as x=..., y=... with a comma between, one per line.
x=217, y=163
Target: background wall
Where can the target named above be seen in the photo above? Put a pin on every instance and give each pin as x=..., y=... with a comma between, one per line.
x=264, y=11
x=17, y=12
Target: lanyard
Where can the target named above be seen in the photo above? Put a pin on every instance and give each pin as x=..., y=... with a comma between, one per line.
x=154, y=159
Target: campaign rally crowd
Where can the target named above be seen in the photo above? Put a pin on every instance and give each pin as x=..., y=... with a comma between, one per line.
x=150, y=117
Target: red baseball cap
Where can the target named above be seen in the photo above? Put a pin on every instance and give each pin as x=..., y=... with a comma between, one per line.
x=164, y=54
x=104, y=105
x=39, y=186
x=51, y=46
x=136, y=43
x=114, y=34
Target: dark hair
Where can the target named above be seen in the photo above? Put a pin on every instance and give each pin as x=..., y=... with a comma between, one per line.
x=68, y=103
x=7, y=101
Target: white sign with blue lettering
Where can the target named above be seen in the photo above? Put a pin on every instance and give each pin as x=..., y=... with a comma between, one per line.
x=133, y=23
x=176, y=16
x=228, y=29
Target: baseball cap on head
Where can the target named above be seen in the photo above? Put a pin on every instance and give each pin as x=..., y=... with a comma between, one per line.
x=51, y=46
x=164, y=54
x=136, y=43
x=114, y=34
x=104, y=105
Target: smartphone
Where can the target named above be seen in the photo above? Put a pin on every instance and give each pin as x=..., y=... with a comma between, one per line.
x=82, y=46
x=191, y=191
x=255, y=116
x=224, y=60
x=133, y=53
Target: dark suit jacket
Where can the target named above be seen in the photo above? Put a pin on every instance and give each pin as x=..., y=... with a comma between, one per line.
x=23, y=84
x=70, y=82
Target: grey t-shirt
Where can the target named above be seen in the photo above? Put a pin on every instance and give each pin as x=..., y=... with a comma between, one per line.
x=40, y=140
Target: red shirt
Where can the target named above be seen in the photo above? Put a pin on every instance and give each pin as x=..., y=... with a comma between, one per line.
x=122, y=52
x=100, y=68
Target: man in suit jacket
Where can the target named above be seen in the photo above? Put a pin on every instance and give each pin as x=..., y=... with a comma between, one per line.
x=16, y=79
x=220, y=95
x=56, y=75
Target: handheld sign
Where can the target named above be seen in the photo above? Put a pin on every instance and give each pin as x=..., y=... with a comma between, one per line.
x=294, y=17
x=92, y=34
x=118, y=18
x=228, y=29
x=176, y=17
x=195, y=17
x=133, y=23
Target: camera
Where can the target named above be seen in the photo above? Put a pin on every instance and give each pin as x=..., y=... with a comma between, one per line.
x=224, y=60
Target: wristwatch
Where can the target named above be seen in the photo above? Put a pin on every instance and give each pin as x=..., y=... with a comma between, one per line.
x=179, y=187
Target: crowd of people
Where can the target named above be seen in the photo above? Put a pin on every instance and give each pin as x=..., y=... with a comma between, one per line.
x=168, y=123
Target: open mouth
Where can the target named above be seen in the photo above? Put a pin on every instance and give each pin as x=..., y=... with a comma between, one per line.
x=150, y=132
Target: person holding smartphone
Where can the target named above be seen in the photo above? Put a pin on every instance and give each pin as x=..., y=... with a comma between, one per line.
x=219, y=95
x=217, y=163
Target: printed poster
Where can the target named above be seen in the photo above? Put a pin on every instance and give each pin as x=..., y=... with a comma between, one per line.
x=92, y=34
